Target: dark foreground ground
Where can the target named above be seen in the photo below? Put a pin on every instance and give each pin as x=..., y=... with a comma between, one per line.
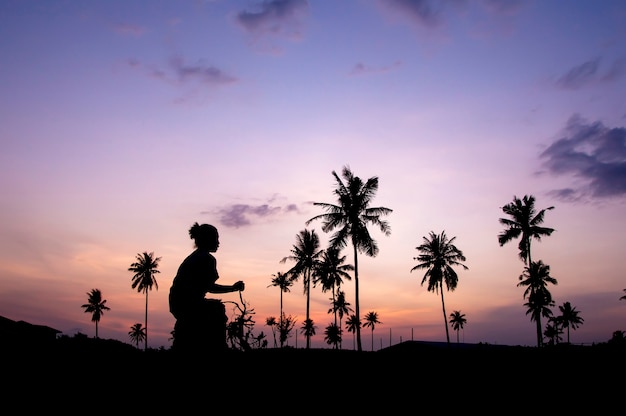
x=103, y=377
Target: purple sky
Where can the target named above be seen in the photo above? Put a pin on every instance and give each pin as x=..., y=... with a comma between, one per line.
x=123, y=124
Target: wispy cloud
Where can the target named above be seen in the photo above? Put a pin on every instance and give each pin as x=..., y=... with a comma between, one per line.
x=362, y=69
x=432, y=13
x=589, y=73
x=126, y=29
x=180, y=73
x=200, y=72
x=424, y=12
x=275, y=17
x=592, y=153
x=240, y=215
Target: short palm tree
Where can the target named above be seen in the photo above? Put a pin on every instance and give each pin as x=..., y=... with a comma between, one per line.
x=350, y=216
x=438, y=255
x=332, y=335
x=524, y=222
x=457, y=320
x=286, y=325
x=535, y=278
x=340, y=308
x=352, y=323
x=283, y=282
x=569, y=318
x=330, y=272
x=371, y=319
x=553, y=330
x=308, y=330
x=272, y=323
x=137, y=334
x=95, y=306
x=305, y=253
x=144, y=269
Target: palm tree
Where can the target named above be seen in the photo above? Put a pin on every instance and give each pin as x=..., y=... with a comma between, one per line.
x=284, y=282
x=330, y=272
x=95, y=306
x=623, y=297
x=457, y=320
x=340, y=307
x=308, y=330
x=538, y=305
x=438, y=255
x=352, y=324
x=306, y=254
x=332, y=335
x=553, y=330
x=287, y=324
x=536, y=278
x=271, y=322
x=524, y=222
x=137, y=333
x=569, y=318
x=351, y=216
x=144, y=269
x=371, y=319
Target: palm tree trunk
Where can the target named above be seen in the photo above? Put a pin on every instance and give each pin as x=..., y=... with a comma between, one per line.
x=308, y=303
x=146, y=340
x=445, y=318
x=568, y=334
x=539, y=332
x=281, y=319
x=356, y=301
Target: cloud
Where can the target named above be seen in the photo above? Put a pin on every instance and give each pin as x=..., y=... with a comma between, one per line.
x=588, y=73
x=431, y=13
x=180, y=74
x=362, y=69
x=201, y=73
x=276, y=17
x=128, y=29
x=423, y=12
x=591, y=153
x=239, y=215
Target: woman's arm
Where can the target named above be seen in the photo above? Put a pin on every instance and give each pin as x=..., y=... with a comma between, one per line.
x=217, y=288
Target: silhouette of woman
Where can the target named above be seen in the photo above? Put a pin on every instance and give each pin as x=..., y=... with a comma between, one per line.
x=200, y=322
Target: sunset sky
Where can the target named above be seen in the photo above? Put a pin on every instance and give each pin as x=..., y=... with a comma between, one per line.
x=123, y=123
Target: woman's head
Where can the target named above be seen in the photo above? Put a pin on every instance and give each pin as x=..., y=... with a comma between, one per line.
x=205, y=236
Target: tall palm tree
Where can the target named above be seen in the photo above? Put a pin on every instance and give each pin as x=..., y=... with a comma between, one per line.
x=351, y=216
x=95, y=306
x=535, y=278
x=305, y=253
x=371, y=319
x=137, y=334
x=283, y=282
x=569, y=318
x=524, y=222
x=352, y=323
x=457, y=320
x=144, y=269
x=330, y=272
x=623, y=297
x=438, y=255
